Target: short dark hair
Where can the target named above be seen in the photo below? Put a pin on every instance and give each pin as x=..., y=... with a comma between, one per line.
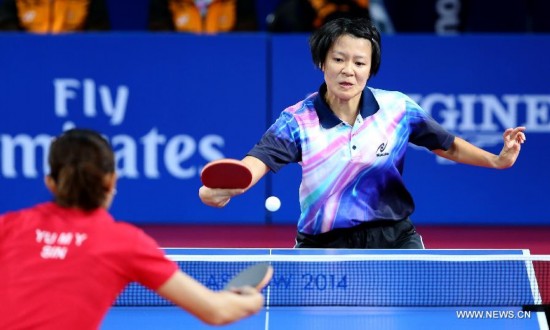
x=79, y=159
x=322, y=39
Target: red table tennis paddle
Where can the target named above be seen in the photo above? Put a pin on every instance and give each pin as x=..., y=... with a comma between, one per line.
x=226, y=173
x=256, y=276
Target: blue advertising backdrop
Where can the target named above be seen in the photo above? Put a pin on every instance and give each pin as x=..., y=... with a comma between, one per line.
x=170, y=103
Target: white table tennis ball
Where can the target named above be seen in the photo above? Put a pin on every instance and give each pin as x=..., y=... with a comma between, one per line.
x=272, y=203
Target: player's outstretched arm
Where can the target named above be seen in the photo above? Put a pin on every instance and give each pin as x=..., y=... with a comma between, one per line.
x=461, y=151
x=220, y=197
x=212, y=307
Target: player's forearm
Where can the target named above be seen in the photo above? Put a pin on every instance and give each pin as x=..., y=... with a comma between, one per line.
x=224, y=307
x=463, y=152
x=257, y=167
x=216, y=308
x=232, y=306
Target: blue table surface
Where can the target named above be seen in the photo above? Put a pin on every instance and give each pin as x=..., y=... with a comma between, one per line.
x=330, y=318
x=335, y=317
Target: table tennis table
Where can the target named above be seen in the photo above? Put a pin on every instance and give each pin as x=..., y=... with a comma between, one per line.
x=281, y=317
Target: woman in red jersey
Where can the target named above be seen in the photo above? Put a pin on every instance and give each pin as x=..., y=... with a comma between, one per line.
x=63, y=263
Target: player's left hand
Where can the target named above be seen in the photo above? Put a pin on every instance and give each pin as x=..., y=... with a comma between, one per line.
x=513, y=139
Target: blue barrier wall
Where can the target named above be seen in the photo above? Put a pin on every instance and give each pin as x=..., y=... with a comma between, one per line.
x=170, y=103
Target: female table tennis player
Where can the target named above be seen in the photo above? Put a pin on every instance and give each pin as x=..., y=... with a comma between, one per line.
x=64, y=262
x=350, y=140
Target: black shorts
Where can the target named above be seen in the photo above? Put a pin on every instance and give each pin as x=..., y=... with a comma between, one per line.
x=381, y=234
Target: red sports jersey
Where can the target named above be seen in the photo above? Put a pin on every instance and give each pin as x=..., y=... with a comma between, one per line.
x=63, y=268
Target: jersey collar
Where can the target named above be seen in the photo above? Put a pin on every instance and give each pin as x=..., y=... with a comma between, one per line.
x=368, y=106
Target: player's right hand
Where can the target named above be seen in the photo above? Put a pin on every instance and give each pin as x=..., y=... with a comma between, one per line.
x=217, y=197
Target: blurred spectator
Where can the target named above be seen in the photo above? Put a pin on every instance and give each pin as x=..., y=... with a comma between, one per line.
x=202, y=16
x=469, y=16
x=510, y=16
x=263, y=9
x=53, y=16
x=426, y=16
x=308, y=15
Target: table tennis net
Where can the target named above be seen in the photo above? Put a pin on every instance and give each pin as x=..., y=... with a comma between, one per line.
x=375, y=280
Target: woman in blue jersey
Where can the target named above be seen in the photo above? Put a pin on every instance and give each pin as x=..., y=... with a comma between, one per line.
x=350, y=140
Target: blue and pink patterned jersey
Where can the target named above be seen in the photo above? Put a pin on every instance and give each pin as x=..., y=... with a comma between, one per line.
x=350, y=174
